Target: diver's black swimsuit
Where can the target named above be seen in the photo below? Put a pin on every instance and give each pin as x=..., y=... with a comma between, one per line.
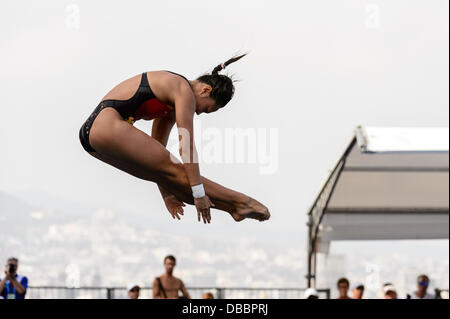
x=143, y=104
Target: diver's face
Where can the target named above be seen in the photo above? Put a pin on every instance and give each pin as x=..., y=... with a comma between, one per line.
x=206, y=106
x=204, y=103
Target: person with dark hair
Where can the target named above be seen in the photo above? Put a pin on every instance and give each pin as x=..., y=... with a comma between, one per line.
x=168, y=286
x=170, y=258
x=422, y=286
x=343, y=286
x=167, y=98
x=13, y=285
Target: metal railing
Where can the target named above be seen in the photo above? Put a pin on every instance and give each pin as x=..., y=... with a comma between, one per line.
x=146, y=293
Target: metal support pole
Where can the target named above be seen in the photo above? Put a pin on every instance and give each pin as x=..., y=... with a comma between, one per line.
x=315, y=264
x=220, y=293
x=309, y=241
x=109, y=293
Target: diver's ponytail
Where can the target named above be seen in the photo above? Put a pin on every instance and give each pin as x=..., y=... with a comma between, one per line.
x=222, y=85
x=222, y=66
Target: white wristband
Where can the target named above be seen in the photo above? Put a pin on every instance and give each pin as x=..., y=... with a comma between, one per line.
x=198, y=191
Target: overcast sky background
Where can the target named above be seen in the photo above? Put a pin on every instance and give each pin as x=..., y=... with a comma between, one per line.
x=315, y=71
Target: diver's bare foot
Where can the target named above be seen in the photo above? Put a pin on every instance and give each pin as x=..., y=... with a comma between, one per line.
x=250, y=208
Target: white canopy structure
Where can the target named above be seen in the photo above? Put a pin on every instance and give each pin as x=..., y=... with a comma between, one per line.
x=390, y=183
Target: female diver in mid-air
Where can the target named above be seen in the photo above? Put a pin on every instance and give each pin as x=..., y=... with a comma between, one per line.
x=166, y=98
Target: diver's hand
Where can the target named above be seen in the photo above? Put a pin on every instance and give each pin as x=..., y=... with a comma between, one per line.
x=203, y=206
x=174, y=206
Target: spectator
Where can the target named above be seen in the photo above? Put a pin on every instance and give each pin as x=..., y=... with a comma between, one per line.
x=422, y=286
x=343, y=285
x=13, y=285
x=389, y=291
x=208, y=295
x=382, y=288
x=133, y=291
x=358, y=291
x=167, y=286
x=311, y=293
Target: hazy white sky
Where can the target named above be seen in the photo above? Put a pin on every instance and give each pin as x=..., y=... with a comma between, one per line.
x=315, y=71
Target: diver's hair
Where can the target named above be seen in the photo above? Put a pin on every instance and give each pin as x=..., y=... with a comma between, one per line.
x=222, y=85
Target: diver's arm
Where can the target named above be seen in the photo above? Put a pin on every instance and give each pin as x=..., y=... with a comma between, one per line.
x=161, y=129
x=185, y=105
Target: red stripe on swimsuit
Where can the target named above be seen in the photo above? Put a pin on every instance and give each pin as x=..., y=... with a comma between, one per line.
x=149, y=110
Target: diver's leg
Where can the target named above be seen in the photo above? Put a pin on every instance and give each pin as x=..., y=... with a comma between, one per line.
x=131, y=150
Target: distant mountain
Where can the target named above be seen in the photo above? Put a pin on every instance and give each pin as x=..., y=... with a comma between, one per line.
x=106, y=247
x=67, y=209
x=14, y=213
x=25, y=211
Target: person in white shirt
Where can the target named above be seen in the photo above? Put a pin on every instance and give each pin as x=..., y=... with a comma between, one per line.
x=422, y=286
